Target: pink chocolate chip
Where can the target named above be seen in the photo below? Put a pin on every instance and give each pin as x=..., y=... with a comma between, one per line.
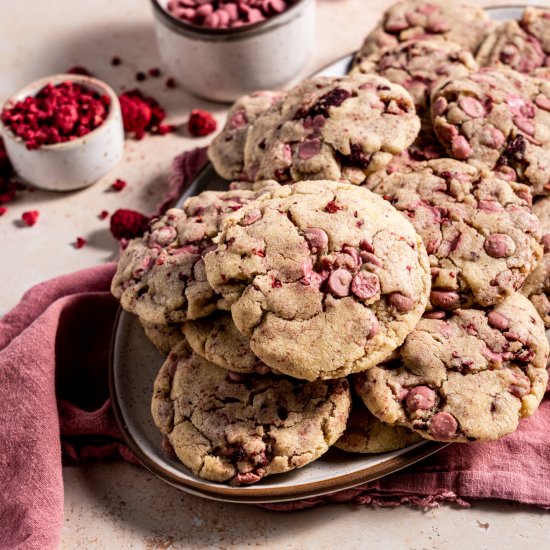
x=460, y=148
x=238, y=120
x=435, y=314
x=339, y=282
x=471, y=106
x=444, y=298
x=400, y=302
x=525, y=125
x=499, y=245
x=543, y=102
x=546, y=242
x=316, y=238
x=439, y=106
x=366, y=245
x=252, y=217
x=369, y=258
x=375, y=328
x=498, y=321
x=443, y=426
x=238, y=377
x=365, y=285
x=309, y=149
x=420, y=398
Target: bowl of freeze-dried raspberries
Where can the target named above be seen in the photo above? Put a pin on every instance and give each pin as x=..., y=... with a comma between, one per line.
x=63, y=132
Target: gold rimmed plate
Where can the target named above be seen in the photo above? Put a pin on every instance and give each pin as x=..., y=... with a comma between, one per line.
x=134, y=364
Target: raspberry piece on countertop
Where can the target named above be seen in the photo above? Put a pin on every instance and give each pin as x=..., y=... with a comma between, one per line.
x=118, y=185
x=30, y=217
x=128, y=224
x=80, y=242
x=201, y=123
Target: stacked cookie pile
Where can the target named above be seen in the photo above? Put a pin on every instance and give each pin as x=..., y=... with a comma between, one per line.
x=365, y=280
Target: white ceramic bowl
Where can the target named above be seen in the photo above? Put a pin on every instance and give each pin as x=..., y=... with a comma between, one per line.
x=223, y=64
x=71, y=164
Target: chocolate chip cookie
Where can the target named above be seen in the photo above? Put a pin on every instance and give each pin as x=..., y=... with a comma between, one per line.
x=241, y=431
x=163, y=337
x=480, y=233
x=469, y=376
x=537, y=285
x=160, y=276
x=463, y=24
x=226, y=152
x=418, y=66
x=500, y=119
x=366, y=434
x=217, y=339
x=326, y=278
x=331, y=128
x=522, y=45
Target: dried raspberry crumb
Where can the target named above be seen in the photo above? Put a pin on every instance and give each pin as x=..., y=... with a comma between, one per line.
x=118, y=185
x=332, y=207
x=116, y=61
x=163, y=129
x=170, y=83
x=140, y=113
x=3, y=210
x=201, y=123
x=141, y=76
x=30, y=217
x=80, y=242
x=154, y=72
x=128, y=224
x=103, y=214
x=78, y=69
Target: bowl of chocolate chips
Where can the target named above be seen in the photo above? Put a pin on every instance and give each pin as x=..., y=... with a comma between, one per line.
x=222, y=49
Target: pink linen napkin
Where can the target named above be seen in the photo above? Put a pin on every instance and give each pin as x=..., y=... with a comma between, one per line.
x=54, y=402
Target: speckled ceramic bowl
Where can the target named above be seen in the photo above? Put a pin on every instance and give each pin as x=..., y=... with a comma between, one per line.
x=223, y=64
x=72, y=164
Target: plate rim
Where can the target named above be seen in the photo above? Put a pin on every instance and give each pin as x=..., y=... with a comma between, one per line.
x=244, y=495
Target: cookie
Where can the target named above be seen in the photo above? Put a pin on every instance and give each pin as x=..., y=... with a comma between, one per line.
x=326, y=278
x=160, y=276
x=418, y=66
x=366, y=434
x=479, y=231
x=456, y=22
x=226, y=152
x=537, y=285
x=469, y=376
x=331, y=128
x=522, y=45
x=241, y=430
x=500, y=119
x=217, y=339
x=163, y=337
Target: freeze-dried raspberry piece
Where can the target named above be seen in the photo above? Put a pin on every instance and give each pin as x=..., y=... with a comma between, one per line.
x=128, y=224
x=201, y=123
x=30, y=217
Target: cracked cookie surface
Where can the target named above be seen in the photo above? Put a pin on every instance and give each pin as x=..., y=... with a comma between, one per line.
x=537, y=285
x=500, y=119
x=463, y=24
x=366, y=434
x=217, y=339
x=163, y=337
x=332, y=128
x=469, y=376
x=418, y=66
x=160, y=276
x=226, y=152
x=240, y=432
x=522, y=45
x=479, y=231
x=326, y=278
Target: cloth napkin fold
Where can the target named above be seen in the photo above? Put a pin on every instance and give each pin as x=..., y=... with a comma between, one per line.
x=54, y=403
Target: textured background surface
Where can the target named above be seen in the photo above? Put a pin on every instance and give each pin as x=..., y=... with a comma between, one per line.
x=115, y=505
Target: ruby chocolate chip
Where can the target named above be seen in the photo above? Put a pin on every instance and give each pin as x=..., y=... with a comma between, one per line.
x=499, y=245
x=339, y=282
x=443, y=426
x=420, y=398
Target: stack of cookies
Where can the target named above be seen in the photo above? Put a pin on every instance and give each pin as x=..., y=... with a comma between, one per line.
x=377, y=273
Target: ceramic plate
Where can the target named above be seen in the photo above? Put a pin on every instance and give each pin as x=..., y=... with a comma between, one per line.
x=134, y=365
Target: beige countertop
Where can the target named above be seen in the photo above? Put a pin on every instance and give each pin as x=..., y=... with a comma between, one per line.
x=116, y=505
